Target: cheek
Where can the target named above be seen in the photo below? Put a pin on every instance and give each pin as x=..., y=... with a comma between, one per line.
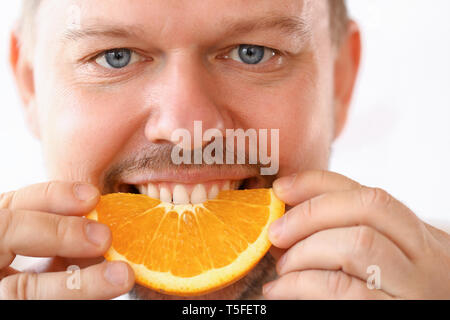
x=83, y=130
x=299, y=109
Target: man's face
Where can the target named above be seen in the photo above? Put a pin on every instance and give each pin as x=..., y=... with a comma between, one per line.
x=98, y=123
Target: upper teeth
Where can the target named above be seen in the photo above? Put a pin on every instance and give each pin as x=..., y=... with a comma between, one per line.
x=185, y=194
x=165, y=195
x=198, y=195
x=213, y=192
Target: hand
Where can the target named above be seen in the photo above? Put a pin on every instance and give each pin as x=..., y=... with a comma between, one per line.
x=338, y=228
x=45, y=220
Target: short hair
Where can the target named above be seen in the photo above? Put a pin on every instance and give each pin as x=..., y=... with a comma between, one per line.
x=337, y=9
x=338, y=19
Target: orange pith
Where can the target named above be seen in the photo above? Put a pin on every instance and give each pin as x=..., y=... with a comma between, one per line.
x=189, y=250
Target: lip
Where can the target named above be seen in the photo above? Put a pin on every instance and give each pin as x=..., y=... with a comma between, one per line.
x=187, y=176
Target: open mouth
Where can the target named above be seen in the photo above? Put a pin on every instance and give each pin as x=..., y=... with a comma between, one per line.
x=186, y=193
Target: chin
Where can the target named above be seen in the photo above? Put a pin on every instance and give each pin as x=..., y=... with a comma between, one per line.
x=247, y=288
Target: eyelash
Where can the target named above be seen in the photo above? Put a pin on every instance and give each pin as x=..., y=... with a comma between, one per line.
x=265, y=66
x=135, y=57
x=228, y=55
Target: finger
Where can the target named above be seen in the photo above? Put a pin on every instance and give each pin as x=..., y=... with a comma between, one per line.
x=364, y=206
x=353, y=250
x=320, y=284
x=300, y=187
x=60, y=264
x=276, y=253
x=7, y=272
x=102, y=281
x=437, y=233
x=39, y=234
x=65, y=198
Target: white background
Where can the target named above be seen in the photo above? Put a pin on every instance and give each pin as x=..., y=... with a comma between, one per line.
x=398, y=136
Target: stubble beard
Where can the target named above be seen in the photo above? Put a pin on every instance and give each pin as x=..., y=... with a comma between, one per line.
x=157, y=158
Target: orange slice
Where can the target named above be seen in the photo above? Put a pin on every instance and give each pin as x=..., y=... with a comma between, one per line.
x=188, y=250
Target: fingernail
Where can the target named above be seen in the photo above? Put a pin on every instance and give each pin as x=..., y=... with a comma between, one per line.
x=116, y=273
x=285, y=183
x=85, y=192
x=276, y=228
x=97, y=233
x=267, y=287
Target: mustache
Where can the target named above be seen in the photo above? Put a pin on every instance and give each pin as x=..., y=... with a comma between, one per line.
x=158, y=157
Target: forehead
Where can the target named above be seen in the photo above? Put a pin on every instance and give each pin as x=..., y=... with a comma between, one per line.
x=183, y=9
x=166, y=17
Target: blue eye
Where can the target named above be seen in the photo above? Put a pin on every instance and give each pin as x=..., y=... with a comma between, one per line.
x=251, y=54
x=117, y=58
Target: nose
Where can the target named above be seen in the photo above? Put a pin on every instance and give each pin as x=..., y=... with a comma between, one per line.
x=185, y=93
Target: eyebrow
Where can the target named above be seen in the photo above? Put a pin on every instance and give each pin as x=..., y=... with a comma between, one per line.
x=291, y=25
x=103, y=30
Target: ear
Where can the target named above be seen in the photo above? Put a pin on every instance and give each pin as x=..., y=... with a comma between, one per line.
x=22, y=68
x=346, y=68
